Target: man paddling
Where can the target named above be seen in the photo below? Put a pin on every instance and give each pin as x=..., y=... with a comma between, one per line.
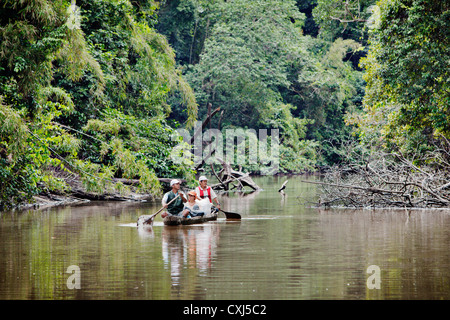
x=176, y=207
x=205, y=191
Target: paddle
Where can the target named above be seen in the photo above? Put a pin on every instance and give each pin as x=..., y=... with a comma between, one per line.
x=154, y=215
x=231, y=215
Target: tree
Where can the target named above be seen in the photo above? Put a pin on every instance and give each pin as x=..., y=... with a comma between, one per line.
x=36, y=36
x=245, y=66
x=407, y=72
x=184, y=23
x=72, y=74
x=324, y=91
x=245, y=58
x=255, y=60
x=342, y=18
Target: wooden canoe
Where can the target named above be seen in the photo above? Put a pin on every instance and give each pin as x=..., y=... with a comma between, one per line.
x=176, y=221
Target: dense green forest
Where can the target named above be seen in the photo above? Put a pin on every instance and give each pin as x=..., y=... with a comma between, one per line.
x=95, y=90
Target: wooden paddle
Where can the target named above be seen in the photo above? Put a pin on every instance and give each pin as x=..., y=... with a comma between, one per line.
x=154, y=215
x=231, y=215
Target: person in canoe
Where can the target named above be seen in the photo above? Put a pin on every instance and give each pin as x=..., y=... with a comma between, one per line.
x=176, y=208
x=192, y=206
x=204, y=191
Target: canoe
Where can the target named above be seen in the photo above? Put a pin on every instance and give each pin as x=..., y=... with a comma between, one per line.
x=176, y=221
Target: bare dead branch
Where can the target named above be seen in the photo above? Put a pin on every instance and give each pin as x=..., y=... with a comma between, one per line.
x=389, y=180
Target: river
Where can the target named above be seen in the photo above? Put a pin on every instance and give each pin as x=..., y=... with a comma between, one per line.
x=281, y=249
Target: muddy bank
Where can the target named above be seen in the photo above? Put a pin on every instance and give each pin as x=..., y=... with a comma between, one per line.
x=44, y=201
x=77, y=194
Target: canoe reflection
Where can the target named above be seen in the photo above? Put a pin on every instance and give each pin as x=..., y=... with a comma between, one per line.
x=189, y=247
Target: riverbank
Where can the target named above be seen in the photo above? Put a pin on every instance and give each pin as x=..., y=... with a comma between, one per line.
x=45, y=201
x=77, y=194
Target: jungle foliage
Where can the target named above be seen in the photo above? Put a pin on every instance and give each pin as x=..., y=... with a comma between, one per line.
x=406, y=106
x=266, y=64
x=84, y=90
x=97, y=88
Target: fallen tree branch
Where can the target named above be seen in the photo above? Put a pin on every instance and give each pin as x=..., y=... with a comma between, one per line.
x=229, y=175
x=218, y=178
x=369, y=189
x=204, y=124
x=388, y=180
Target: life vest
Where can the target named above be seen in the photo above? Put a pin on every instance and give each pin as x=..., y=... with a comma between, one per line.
x=202, y=194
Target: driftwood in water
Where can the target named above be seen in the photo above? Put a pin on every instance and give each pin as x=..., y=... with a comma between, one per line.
x=283, y=186
x=387, y=180
x=228, y=177
x=237, y=179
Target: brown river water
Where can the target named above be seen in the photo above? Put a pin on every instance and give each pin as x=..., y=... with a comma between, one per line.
x=280, y=250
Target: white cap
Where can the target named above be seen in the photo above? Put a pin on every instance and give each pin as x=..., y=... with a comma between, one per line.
x=202, y=178
x=174, y=181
